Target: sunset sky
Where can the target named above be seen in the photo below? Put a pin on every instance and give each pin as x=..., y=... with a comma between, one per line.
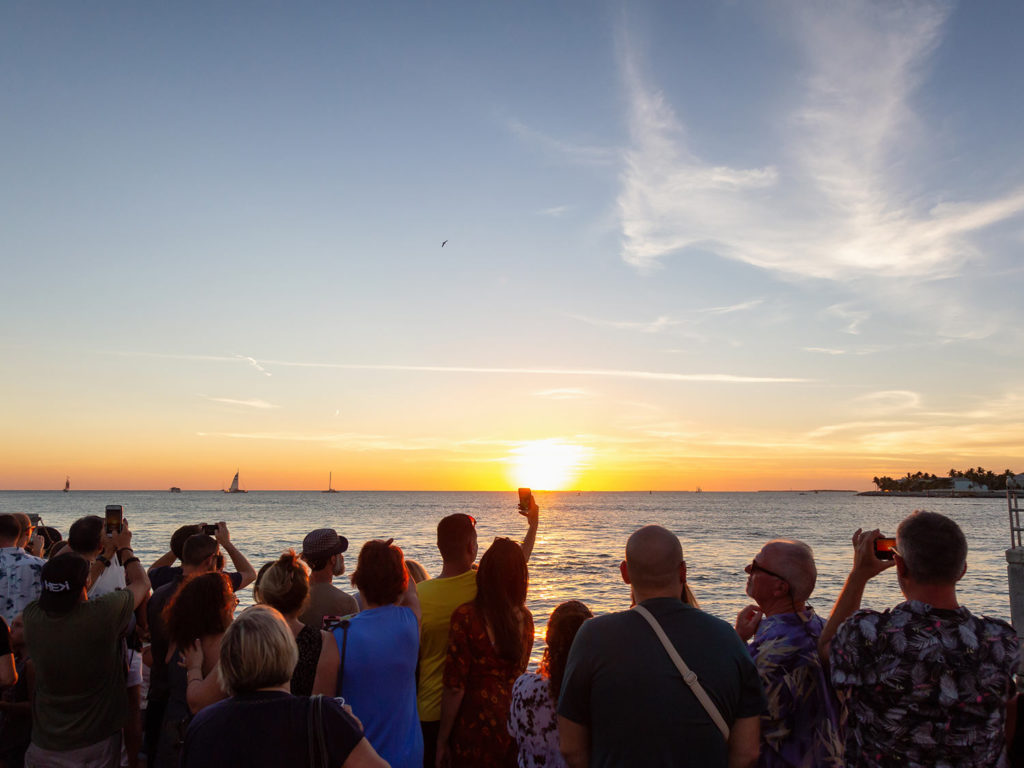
x=734, y=245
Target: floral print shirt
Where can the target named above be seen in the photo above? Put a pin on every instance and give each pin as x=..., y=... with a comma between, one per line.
x=924, y=686
x=533, y=723
x=20, y=581
x=801, y=726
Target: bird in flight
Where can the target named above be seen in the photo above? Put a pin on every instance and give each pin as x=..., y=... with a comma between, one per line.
x=443, y=244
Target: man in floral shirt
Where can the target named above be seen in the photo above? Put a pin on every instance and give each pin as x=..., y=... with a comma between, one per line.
x=20, y=582
x=801, y=725
x=926, y=683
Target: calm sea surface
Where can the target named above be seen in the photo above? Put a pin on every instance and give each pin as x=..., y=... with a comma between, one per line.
x=581, y=538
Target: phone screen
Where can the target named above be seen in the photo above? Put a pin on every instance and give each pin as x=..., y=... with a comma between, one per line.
x=114, y=517
x=885, y=548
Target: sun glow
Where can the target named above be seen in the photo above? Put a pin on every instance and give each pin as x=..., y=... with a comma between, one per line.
x=546, y=465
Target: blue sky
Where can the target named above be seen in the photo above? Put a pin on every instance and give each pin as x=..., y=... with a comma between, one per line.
x=731, y=244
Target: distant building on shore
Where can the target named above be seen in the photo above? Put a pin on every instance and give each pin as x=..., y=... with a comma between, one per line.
x=963, y=484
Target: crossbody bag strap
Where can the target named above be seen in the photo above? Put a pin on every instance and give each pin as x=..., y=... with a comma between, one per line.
x=689, y=676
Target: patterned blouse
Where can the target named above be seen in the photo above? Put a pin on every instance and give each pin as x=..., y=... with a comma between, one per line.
x=480, y=737
x=20, y=581
x=925, y=686
x=533, y=723
x=801, y=726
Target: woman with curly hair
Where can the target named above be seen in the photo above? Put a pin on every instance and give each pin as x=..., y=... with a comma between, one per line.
x=533, y=721
x=196, y=618
x=489, y=645
x=375, y=653
x=284, y=586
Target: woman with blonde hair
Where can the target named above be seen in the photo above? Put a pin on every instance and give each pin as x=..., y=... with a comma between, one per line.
x=263, y=724
x=284, y=586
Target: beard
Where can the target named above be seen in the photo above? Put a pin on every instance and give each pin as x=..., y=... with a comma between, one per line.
x=339, y=566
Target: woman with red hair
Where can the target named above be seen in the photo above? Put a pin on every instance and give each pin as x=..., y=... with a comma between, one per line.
x=488, y=647
x=375, y=654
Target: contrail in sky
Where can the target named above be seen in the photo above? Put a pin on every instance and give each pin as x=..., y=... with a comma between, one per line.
x=725, y=378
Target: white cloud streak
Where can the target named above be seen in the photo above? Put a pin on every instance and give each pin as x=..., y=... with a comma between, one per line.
x=252, y=403
x=722, y=378
x=585, y=154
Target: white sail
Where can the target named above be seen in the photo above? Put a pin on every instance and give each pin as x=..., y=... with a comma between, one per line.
x=234, y=484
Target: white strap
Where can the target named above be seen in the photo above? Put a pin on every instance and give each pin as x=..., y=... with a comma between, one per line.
x=689, y=676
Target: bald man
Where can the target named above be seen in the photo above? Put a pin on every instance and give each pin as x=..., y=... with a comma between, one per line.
x=624, y=703
x=801, y=724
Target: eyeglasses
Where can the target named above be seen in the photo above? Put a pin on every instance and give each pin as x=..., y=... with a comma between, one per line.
x=756, y=566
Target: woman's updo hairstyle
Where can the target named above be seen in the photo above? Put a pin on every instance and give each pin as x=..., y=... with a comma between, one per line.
x=283, y=584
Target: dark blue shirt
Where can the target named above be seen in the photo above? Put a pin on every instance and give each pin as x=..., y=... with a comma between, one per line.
x=265, y=729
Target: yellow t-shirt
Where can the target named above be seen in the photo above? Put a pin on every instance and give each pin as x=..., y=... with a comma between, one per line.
x=438, y=599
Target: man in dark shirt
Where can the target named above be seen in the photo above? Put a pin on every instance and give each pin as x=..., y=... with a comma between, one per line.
x=200, y=554
x=623, y=701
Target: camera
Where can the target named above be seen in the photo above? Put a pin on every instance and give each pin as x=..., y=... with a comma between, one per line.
x=211, y=530
x=114, y=518
x=885, y=549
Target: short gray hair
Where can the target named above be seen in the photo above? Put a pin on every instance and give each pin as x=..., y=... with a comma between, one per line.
x=932, y=547
x=257, y=651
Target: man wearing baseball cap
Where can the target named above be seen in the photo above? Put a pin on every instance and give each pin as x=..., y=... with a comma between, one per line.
x=80, y=700
x=323, y=549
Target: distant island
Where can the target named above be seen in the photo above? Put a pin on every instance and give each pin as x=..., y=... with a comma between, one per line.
x=973, y=481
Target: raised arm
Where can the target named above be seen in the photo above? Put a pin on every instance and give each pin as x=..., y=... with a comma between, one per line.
x=865, y=567
x=137, y=582
x=237, y=558
x=166, y=559
x=533, y=520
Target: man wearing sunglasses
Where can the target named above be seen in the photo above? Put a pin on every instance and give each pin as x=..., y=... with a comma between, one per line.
x=926, y=683
x=801, y=725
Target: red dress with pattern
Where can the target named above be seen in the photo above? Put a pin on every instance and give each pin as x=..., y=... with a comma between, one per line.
x=480, y=737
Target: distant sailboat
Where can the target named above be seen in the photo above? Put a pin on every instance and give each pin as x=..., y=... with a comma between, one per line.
x=67, y=484
x=234, y=486
x=330, y=487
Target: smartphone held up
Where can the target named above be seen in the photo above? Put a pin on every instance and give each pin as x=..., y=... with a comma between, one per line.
x=525, y=500
x=885, y=548
x=114, y=518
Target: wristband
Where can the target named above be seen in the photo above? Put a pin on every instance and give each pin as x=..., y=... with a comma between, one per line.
x=125, y=549
x=131, y=560
x=102, y=559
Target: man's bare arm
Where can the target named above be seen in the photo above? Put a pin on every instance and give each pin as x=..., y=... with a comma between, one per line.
x=745, y=742
x=238, y=560
x=574, y=743
x=533, y=520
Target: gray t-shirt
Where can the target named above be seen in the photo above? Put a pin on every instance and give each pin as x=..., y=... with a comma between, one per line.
x=327, y=600
x=620, y=683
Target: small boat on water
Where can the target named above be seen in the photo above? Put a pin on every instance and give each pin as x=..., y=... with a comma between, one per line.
x=234, y=486
x=175, y=489
x=330, y=486
x=67, y=483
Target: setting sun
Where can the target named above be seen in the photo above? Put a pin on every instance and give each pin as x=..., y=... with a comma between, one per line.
x=548, y=465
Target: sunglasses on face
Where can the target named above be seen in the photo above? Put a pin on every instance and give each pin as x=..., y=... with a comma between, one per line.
x=756, y=566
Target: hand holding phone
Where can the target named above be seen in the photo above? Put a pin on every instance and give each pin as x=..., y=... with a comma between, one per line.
x=525, y=500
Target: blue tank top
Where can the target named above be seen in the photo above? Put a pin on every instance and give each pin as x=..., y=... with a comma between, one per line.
x=379, y=681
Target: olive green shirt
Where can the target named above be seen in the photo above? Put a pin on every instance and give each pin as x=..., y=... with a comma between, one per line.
x=80, y=696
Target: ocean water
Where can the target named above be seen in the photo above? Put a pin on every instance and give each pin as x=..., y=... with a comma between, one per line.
x=581, y=539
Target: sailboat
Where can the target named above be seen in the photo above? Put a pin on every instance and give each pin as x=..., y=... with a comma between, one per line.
x=67, y=484
x=234, y=486
x=330, y=488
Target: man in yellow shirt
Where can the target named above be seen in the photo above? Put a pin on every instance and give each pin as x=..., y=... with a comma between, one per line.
x=456, y=584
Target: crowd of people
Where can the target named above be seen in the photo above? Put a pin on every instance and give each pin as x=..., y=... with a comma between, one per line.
x=105, y=663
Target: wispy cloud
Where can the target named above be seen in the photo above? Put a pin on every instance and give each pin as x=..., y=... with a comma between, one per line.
x=832, y=203
x=683, y=323
x=579, y=152
x=563, y=393
x=556, y=211
x=890, y=400
x=252, y=403
x=252, y=361
x=853, y=318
